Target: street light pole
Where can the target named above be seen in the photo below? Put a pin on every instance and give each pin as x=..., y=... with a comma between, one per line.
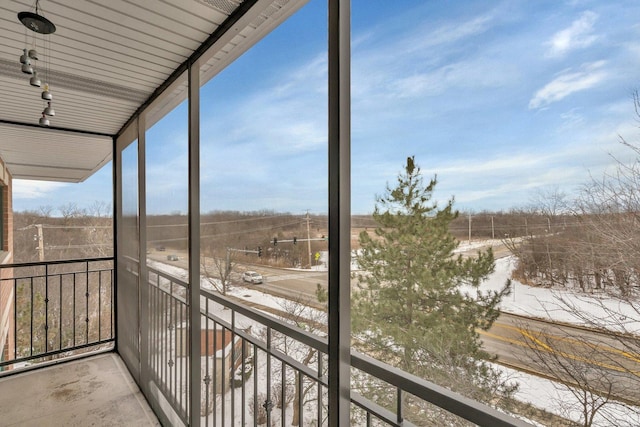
x=308, y=239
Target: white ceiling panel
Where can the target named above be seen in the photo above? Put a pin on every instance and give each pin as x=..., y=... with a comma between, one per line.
x=106, y=60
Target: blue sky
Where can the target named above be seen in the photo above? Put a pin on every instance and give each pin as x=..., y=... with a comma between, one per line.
x=498, y=98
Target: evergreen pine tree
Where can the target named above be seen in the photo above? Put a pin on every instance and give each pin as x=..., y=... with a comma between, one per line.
x=414, y=307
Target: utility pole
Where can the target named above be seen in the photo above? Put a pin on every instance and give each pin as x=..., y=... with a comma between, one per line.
x=469, y=227
x=308, y=238
x=493, y=230
x=40, y=243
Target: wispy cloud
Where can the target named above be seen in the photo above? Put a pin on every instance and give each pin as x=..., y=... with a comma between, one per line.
x=27, y=189
x=567, y=83
x=475, y=73
x=287, y=116
x=448, y=33
x=578, y=35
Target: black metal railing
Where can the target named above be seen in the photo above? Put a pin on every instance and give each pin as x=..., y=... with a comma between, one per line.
x=57, y=309
x=288, y=365
x=259, y=370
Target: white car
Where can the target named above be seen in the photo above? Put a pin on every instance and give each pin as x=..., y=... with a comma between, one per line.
x=252, y=277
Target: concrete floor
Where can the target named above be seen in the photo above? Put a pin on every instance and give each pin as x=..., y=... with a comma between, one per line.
x=96, y=391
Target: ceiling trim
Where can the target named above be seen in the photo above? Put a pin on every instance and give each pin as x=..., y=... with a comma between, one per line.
x=55, y=128
x=227, y=25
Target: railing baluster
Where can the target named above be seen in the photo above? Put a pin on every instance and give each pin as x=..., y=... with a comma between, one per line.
x=283, y=401
x=232, y=366
x=215, y=375
x=31, y=325
x=207, y=378
x=178, y=367
x=299, y=397
x=112, y=304
x=46, y=309
x=60, y=313
x=319, y=404
x=86, y=304
x=100, y=305
x=399, y=404
x=255, y=386
x=15, y=318
x=267, y=403
x=243, y=392
x=74, y=309
x=223, y=385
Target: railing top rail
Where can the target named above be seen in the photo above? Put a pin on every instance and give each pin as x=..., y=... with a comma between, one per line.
x=300, y=335
x=448, y=400
x=168, y=276
x=63, y=261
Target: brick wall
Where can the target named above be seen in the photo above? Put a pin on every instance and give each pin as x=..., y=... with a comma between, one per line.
x=6, y=256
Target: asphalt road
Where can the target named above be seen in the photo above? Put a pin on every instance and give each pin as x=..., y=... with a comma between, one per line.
x=574, y=355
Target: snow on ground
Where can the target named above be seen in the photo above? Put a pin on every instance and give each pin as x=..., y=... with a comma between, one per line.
x=558, y=400
x=545, y=303
x=466, y=245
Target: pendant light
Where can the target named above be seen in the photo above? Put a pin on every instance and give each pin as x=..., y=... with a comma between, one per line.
x=36, y=22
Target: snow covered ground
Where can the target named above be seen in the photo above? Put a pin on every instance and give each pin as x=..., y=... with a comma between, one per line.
x=557, y=399
x=545, y=303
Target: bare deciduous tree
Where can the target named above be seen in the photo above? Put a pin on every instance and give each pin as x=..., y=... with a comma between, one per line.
x=217, y=265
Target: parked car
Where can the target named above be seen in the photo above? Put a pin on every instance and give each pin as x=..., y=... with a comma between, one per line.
x=172, y=257
x=252, y=277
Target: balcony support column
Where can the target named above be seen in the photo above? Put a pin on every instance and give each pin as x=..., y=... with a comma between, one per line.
x=339, y=115
x=143, y=273
x=194, y=244
x=116, y=182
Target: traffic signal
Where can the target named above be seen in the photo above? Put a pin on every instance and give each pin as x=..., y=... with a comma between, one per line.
x=275, y=241
x=295, y=240
x=259, y=251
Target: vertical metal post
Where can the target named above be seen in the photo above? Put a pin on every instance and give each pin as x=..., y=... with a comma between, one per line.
x=339, y=212
x=143, y=273
x=194, y=244
x=46, y=307
x=116, y=180
x=99, y=304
